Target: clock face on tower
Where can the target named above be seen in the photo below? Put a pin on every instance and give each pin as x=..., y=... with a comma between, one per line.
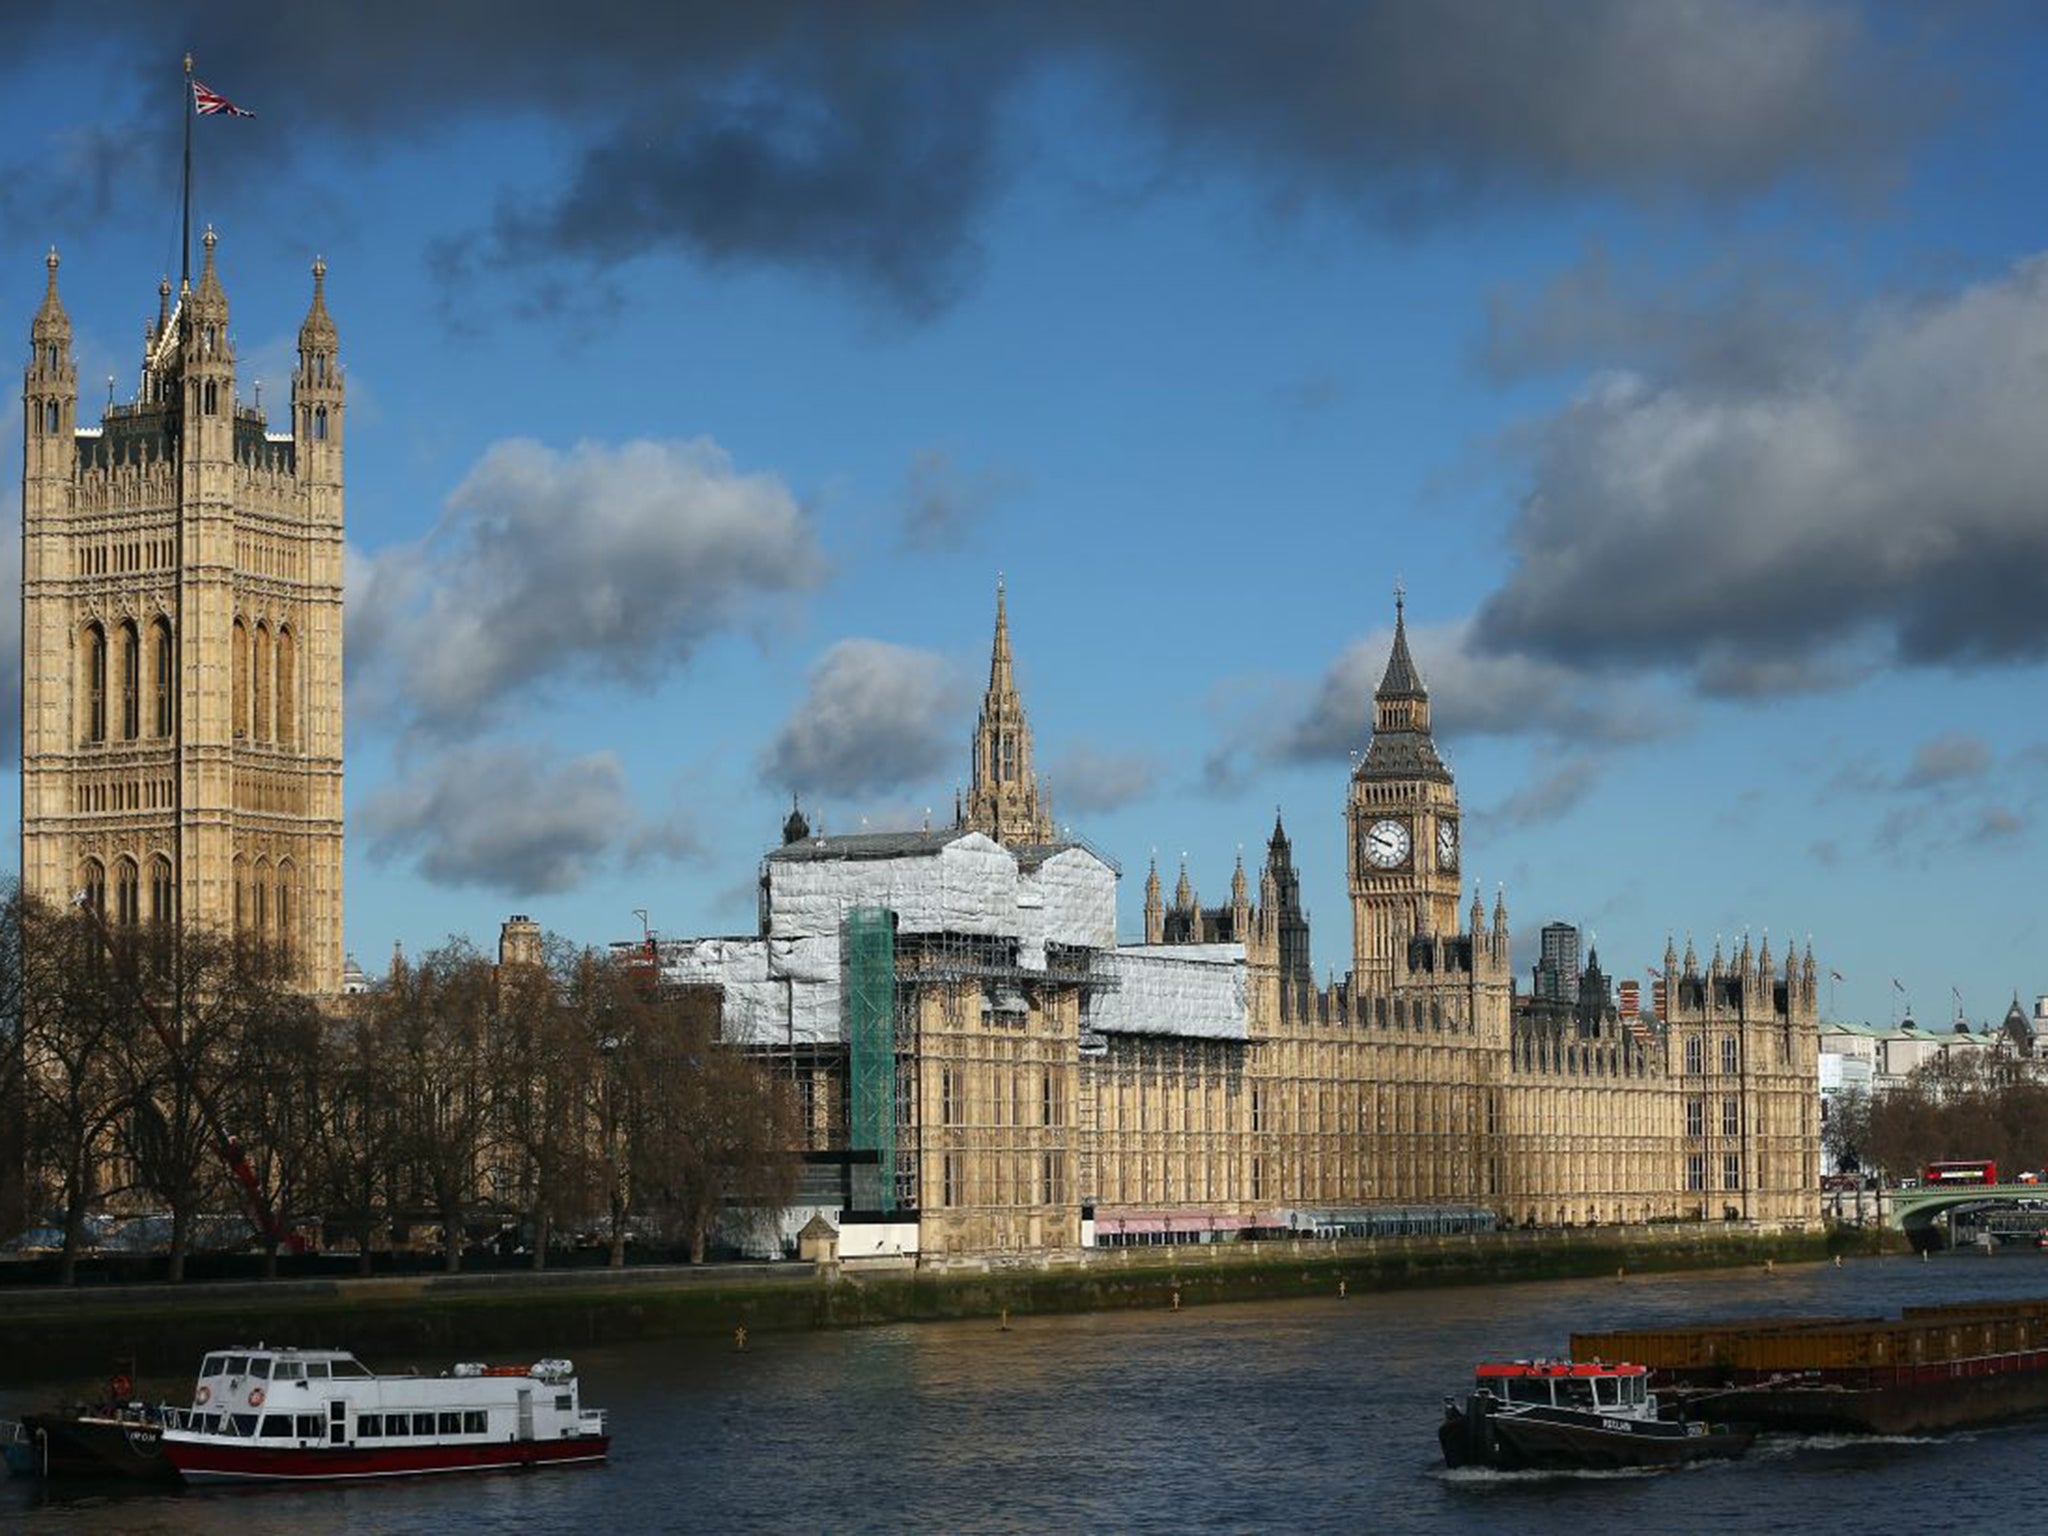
x=1447, y=845
x=1385, y=844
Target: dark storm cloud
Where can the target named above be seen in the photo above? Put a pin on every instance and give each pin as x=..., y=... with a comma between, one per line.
x=512, y=818
x=868, y=140
x=1884, y=505
x=875, y=717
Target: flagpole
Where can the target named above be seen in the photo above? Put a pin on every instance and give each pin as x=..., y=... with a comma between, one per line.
x=185, y=260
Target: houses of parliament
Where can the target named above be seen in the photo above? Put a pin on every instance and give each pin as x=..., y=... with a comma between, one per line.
x=952, y=1004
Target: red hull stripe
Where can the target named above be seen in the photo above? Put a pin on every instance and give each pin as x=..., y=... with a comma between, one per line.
x=213, y=1461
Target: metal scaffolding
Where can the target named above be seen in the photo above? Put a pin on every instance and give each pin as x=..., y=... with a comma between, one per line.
x=870, y=994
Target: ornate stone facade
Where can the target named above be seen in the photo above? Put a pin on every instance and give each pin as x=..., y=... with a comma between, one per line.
x=1049, y=1092
x=182, y=634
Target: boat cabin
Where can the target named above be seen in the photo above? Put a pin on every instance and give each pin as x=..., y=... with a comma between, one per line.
x=1594, y=1388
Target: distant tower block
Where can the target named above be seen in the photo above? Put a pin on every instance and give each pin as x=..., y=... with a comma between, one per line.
x=181, y=750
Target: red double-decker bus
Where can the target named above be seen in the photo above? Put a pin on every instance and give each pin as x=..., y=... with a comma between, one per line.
x=1941, y=1175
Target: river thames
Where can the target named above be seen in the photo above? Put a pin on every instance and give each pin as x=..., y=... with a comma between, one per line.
x=1306, y=1415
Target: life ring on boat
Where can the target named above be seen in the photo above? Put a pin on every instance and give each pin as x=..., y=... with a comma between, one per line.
x=203, y=1396
x=121, y=1386
x=255, y=1397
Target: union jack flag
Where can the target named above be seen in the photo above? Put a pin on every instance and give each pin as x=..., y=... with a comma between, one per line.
x=208, y=102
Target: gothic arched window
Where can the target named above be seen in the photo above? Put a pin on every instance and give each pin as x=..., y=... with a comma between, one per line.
x=92, y=880
x=241, y=893
x=50, y=418
x=320, y=423
x=50, y=357
x=163, y=896
x=240, y=693
x=259, y=897
x=165, y=677
x=287, y=688
x=287, y=902
x=262, y=683
x=210, y=398
x=127, y=893
x=131, y=681
x=95, y=683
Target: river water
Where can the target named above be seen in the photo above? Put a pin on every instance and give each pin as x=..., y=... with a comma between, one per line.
x=1305, y=1415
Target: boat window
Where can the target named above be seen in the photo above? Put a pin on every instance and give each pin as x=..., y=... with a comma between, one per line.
x=350, y=1367
x=289, y=1370
x=565, y=1403
x=369, y=1425
x=423, y=1423
x=235, y=1365
x=309, y=1426
x=1604, y=1391
x=1526, y=1390
x=1575, y=1392
x=259, y=1367
x=316, y=1370
x=213, y=1365
x=276, y=1426
x=474, y=1422
x=451, y=1424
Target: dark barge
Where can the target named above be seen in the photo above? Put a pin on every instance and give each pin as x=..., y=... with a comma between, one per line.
x=1930, y=1369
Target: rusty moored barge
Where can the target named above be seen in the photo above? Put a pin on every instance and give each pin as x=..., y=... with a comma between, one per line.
x=1927, y=1370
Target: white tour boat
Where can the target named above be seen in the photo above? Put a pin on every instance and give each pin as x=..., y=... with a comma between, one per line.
x=261, y=1415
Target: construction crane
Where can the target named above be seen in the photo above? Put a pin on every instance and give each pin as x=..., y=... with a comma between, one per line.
x=227, y=1145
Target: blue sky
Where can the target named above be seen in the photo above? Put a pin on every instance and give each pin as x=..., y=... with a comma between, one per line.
x=706, y=364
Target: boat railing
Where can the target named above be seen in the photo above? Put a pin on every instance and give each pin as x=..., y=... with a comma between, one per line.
x=590, y=1421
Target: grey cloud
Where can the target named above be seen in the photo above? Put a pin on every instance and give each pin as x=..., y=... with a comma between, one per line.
x=1996, y=824
x=874, y=717
x=1087, y=779
x=1946, y=759
x=610, y=561
x=1885, y=506
x=871, y=140
x=943, y=503
x=510, y=818
x=1558, y=790
x=1473, y=693
x=1735, y=323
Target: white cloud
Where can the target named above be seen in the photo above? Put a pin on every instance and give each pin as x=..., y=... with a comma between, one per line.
x=511, y=817
x=613, y=561
x=874, y=717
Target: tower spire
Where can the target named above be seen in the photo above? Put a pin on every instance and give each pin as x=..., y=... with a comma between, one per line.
x=1005, y=799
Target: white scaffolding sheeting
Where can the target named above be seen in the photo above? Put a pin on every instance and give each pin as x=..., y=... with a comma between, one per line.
x=1195, y=991
x=785, y=989
x=1073, y=894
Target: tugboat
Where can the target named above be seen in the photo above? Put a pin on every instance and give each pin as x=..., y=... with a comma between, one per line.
x=114, y=1438
x=316, y=1415
x=1558, y=1415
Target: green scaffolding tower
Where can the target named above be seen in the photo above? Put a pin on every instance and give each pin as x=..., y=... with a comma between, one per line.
x=870, y=950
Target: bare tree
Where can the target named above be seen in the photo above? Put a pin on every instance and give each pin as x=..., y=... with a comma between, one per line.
x=706, y=1125
x=76, y=1020
x=435, y=1016
x=545, y=1059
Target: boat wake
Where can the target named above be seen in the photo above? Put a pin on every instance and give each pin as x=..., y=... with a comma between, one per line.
x=1480, y=1477
x=1776, y=1445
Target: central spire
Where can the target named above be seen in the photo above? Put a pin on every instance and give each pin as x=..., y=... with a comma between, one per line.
x=1005, y=799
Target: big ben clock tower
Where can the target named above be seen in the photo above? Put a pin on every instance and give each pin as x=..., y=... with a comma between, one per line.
x=1403, y=850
